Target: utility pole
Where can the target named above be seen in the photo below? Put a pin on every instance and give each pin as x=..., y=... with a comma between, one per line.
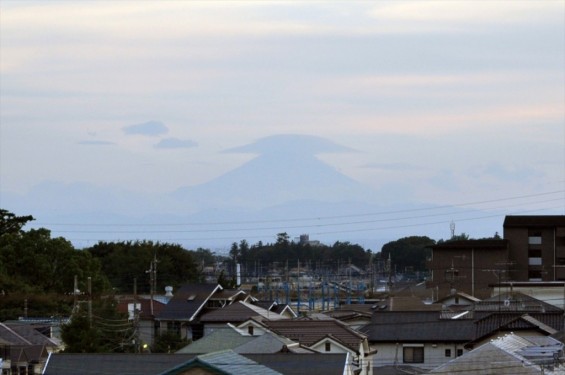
x=90, y=301
x=152, y=280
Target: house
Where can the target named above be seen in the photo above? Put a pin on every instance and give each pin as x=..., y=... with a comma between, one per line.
x=182, y=314
x=424, y=339
x=510, y=354
x=536, y=246
x=240, y=341
x=23, y=349
x=323, y=336
x=420, y=339
x=236, y=313
x=468, y=266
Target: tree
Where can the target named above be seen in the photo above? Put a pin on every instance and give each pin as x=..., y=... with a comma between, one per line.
x=124, y=261
x=408, y=252
x=105, y=331
x=10, y=223
x=169, y=342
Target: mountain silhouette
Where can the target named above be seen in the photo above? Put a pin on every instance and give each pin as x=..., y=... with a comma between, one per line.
x=285, y=170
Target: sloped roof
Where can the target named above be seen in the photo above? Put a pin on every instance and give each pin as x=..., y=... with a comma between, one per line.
x=534, y=221
x=421, y=331
x=220, y=339
x=10, y=336
x=509, y=354
x=187, y=302
x=238, y=312
x=509, y=322
x=228, y=362
x=32, y=335
x=295, y=364
x=308, y=332
x=516, y=302
x=266, y=343
x=116, y=363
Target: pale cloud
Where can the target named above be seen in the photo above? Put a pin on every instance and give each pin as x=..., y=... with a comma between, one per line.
x=150, y=128
x=443, y=15
x=175, y=143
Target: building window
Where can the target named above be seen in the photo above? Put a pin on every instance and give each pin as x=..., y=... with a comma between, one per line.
x=534, y=275
x=328, y=347
x=412, y=354
x=459, y=352
x=534, y=239
x=448, y=352
x=250, y=330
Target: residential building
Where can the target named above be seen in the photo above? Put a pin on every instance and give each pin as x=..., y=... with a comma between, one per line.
x=469, y=266
x=536, y=246
x=510, y=354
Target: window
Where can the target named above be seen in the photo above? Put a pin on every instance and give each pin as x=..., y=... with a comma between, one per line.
x=328, y=346
x=250, y=330
x=413, y=354
x=448, y=352
x=459, y=352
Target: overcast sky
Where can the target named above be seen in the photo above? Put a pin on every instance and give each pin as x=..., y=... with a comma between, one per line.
x=441, y=101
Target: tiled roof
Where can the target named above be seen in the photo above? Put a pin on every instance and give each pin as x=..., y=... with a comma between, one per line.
x=32, y=335
x=308, y=332
x=534, y=221
x=510, y=322
x=228, y=362
x=421, y=331
x=187, y=302
x=510, y=355
x=299, y=364
x=7, y=334
x=238, y=312
x=118, y=363
x=220, y=339
x=515, y=302
x=266, y=343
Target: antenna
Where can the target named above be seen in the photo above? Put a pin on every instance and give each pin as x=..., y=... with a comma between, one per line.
x=452, y=228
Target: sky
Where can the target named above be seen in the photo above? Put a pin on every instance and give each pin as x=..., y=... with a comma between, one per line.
x=439, y=102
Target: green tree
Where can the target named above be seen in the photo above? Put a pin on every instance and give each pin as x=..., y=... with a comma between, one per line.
x=408, y=253
x=10, y=223
x=104, y=331
x=169, y=342
x=123, y=262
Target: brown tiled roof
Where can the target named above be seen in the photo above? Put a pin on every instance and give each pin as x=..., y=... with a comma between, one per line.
x=534, y=221
x=308, y=332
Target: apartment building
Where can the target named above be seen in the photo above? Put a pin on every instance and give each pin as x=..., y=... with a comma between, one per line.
x=536, y=247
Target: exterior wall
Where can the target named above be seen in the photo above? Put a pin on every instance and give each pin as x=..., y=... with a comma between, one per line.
x=434, y=354
x=334, y=348
x=465, y=270
x=527, y=252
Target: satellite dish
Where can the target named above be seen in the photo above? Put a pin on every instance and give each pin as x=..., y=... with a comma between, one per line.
x=506, y=302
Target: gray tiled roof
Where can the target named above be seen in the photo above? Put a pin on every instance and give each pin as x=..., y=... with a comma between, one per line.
x=299, y=364
x=236, y=364
x=221, y=339
x=266, y=343
x=421, y=331
x=187, y=302
x=118, y=363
